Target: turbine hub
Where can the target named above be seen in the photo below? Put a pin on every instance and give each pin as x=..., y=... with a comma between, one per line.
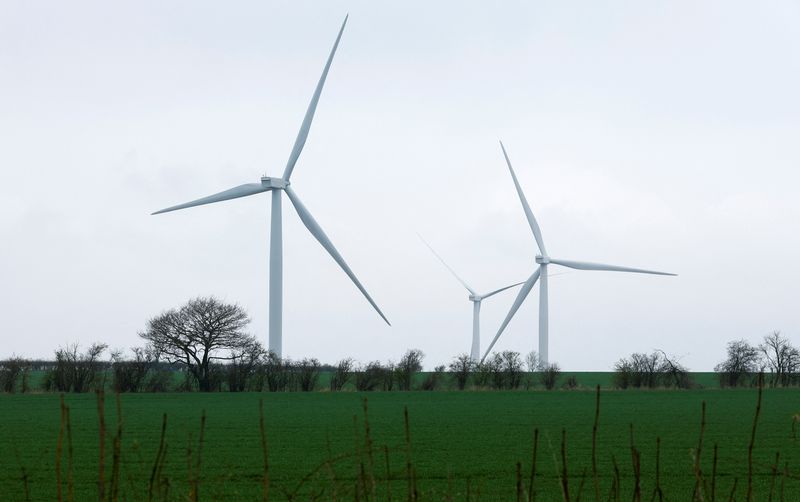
x=542, y=260
x=474, y=298
x=276, y=183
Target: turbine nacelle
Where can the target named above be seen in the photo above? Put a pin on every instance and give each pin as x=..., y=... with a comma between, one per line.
x=475, y=298
x=542, y=260
x=274, y=183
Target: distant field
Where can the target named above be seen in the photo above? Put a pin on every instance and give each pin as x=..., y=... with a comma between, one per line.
x=458, y=439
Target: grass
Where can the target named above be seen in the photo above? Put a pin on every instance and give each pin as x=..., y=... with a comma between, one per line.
x=460, y=442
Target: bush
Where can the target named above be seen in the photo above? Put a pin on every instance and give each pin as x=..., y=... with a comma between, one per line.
x=410, y=363
x=341, y=374
x=130, y=375
x=371, y=376
x=548, y=375
x=277, y=372
x=76, y=372
x=461, y=367
x=434, y=379
x=12, y=371
x=307, y=374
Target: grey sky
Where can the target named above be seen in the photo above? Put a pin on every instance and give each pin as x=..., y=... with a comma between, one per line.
x=660, y=135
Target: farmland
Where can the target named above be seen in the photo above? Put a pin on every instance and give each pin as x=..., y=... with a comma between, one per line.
x=460, y=442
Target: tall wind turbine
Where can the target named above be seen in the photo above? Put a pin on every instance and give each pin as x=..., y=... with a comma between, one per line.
x=543, y=259
x=476, y=299
x=276, y=186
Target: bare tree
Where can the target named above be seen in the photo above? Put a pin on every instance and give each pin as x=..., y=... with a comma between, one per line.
x=781, y=358
x=741, y=364
x=410, y=363
x=307, y=374
x=511, y=368
x=341, y=374
x=673, y=373
x=623, y=374
x=197, y=334
x=532, y=361
x=549, y=375
x=645, y=369
x=461, y=367
x=434, y=379
x=243, y=366
x=75, y=371
x=12, y=370
x=128, y=375
x=371, y=376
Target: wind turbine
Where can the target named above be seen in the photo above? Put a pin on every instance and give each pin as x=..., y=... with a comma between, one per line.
x=476, y=299
x=276, y=186
x=543, y=259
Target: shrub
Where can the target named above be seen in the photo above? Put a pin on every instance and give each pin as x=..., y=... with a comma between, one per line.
x=341, y=374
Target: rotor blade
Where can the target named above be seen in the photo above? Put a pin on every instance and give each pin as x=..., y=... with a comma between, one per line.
x=500, y=290
x=537, y=233
x=585, y=265
x=472, y=291
x=313, y=227
x=523, y=293
x=302, y=135
x=233, y=193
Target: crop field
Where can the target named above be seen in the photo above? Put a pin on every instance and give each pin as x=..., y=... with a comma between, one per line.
x=460, y=444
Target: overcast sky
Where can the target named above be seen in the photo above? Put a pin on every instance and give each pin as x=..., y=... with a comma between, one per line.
x=660, y=135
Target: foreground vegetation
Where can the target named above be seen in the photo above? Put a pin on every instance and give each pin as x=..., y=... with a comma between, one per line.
x=464, y=445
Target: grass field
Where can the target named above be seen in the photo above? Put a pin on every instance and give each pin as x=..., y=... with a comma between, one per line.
x=460, y=441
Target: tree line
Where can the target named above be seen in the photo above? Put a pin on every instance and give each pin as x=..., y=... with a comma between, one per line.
x=203, y=346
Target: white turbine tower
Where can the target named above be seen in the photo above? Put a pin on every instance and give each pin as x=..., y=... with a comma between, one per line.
x=476, y=299
x=540, y=273
x=278, y=185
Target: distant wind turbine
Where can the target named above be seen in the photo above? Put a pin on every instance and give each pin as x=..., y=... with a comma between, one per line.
x=540, y=273
x=476, y=299
x=278, y=185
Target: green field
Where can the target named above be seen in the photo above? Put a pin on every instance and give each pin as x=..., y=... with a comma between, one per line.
x=458, y=440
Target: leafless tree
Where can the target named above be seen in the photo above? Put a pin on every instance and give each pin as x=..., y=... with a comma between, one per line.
x=371, y=376
x=341, y=374
x=623, y=374
x=199, y=333
x=276, y=372
x=645, y=369
x=549, y=374
x=244, y=362
x=461, y=367
x=12, y=370
x=307, y=374
x=75, y=371
x=741, y=364
x=485, y=372
x=434, y=379
x=781, y=358
x=129, y=375
x=673, y=373
x=410, y=363
x=532, y=361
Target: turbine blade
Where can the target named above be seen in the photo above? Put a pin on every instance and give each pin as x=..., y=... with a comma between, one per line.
x=500, y=290
x=233, y=193
x=537, y=233
x=585, y=265
x=313, y=227
x=523, y=293
x=472, y=291
x=302, y=135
